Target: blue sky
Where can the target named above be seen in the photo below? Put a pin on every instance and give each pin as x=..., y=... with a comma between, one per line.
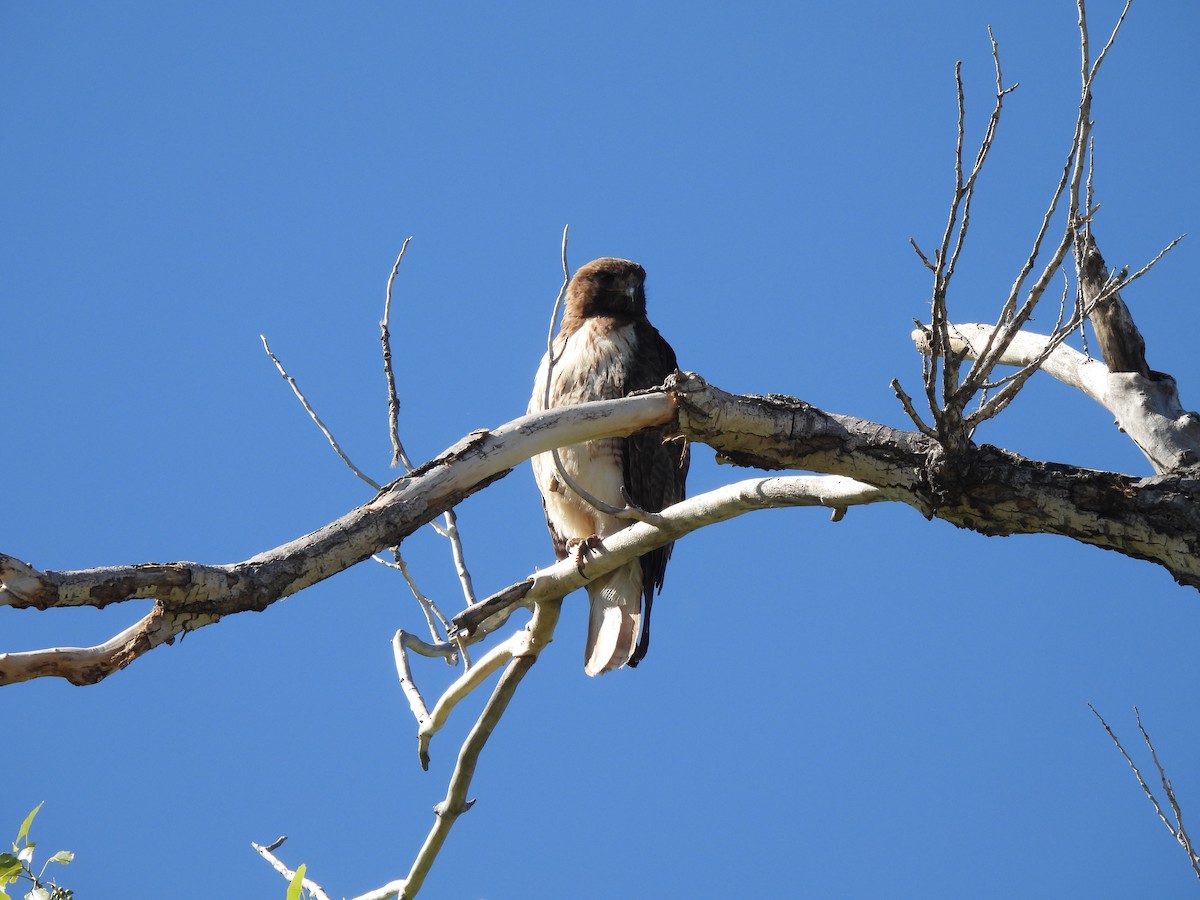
x=882, y=707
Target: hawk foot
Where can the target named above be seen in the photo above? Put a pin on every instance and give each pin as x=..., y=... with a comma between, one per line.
x=580, y=548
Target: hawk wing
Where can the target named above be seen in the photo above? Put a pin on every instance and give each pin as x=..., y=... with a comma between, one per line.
x=655, y=468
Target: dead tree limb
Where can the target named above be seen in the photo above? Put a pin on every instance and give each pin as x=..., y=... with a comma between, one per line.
x=191, y=595
x=992, y=491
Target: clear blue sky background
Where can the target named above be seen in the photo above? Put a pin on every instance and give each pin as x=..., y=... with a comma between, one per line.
x=882, y=707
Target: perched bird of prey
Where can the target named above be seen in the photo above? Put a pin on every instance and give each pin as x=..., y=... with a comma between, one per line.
x=607, y=348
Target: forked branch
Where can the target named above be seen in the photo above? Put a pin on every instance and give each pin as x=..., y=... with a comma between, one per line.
x=544, y=591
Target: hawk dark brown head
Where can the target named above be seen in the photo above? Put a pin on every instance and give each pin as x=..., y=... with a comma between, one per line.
x=608, y=287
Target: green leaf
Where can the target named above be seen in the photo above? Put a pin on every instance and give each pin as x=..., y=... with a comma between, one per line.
x=26, y=854
x=28, y=821
x=62, y=856
x=297, y=884
x=9, y=865
x=38, y=893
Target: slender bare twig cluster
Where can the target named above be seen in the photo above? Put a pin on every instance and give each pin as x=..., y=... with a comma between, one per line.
x=1176, y=827
x=444, y=642
x=948, y=392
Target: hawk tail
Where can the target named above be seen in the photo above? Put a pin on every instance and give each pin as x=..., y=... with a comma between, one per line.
x=615, y=620
x=643, y=644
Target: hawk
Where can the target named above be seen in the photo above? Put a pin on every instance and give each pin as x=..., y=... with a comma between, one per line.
x=607, y=348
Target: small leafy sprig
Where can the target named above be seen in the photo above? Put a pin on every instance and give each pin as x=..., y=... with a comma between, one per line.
x=19, y=865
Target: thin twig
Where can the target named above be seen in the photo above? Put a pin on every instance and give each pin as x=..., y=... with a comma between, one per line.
x=385, y=338
x=1144, y=269
x=317, y=419
x=1179, y=830
x=428, y=607
x=924, y=259
x=266, y=853
x=402, y=641
x=551, y=359
x=449, y=526
x=1136, y=771
x=1112, y=38
x=907, y=403
x=985, y=147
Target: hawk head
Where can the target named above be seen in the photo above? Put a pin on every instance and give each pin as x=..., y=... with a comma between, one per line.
x=608, y=287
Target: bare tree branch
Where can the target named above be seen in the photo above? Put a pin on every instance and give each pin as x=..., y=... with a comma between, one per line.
x=1154, y=519
x=192, y=595
x=267, y=853
x=523, y=651
x=996, y=492
x=1012, y=319
x=675, y=522
x=942, y=392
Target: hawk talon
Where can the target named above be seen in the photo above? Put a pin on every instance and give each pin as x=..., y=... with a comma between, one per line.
x=581, y=547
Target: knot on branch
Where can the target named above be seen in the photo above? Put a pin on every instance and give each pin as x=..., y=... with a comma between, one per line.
x=444, y=809
x=945, y=476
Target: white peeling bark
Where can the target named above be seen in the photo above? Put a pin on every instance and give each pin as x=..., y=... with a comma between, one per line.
x=1147, y=408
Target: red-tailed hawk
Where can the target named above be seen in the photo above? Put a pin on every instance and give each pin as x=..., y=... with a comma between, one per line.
x=606, y=348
